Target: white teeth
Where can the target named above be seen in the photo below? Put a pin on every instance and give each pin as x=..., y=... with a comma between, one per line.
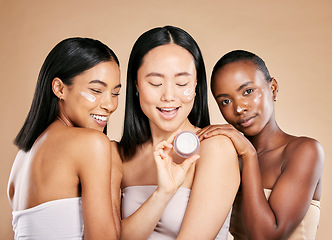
x=100, y=118
x=167, y=109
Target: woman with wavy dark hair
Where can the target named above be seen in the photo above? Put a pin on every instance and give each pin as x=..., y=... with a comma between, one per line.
x=60, y=182
x=165, y=196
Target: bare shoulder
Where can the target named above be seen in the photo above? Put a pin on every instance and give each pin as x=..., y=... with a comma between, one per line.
x=304, y=149
x=87, y=146
x=86, y=139
x=219, y=149
x=217, y=144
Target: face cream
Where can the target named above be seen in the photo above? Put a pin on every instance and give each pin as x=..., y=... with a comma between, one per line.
x=190, y=93
x=88, y=96
x=186, y=144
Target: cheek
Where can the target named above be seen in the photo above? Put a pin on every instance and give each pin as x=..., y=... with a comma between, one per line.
x=227, y=113
x=257, y=101
x=186, y=95
x=115, y=102
x=257, y=98
x=88, y=96
x=148, y=96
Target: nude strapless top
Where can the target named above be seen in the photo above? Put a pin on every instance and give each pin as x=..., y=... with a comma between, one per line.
x=305, y=231
x=170, y=222
x=58, y=219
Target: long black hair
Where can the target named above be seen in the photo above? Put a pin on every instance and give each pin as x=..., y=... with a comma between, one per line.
x=66, y=60
x=136, y=125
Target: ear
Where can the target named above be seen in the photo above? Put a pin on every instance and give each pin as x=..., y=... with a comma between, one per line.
x=58, y=88
x=275, y=88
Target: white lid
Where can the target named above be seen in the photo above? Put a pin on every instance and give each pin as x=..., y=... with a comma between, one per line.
x=186, y=142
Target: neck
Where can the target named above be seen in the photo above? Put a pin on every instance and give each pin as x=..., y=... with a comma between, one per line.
x=269, y=138
x=159, y=134
x=62, y=117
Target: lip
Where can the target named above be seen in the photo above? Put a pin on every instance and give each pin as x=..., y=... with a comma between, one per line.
x=100, y=119
x=247, y=121
x=168, y=113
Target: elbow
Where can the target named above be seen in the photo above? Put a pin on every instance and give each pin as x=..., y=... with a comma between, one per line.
x=265, y=233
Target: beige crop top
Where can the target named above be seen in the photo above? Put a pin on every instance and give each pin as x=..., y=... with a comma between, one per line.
x=305, y=231
x=169, y=224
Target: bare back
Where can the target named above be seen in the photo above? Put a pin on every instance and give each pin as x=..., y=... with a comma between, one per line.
x=47, y=172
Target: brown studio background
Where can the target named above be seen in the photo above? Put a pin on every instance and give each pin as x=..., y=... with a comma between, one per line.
x=293, y=37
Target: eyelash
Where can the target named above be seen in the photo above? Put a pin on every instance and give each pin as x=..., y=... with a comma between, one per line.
x=95, y=91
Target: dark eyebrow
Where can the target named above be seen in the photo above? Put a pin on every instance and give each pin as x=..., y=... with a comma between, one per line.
x=243, y=85
x=155, y=74
x=182, y=74
x=222, y=95
x=118, y=86
x=98, y=81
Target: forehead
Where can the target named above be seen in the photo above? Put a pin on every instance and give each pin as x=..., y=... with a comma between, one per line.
x=167, y=55
x=107, y=72
x=233, y=75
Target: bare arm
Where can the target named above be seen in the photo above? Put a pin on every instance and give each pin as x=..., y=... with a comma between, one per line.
x=141, y=223
x=292, y=193
x=116, y=179
x=94, y=170
x=214, y=188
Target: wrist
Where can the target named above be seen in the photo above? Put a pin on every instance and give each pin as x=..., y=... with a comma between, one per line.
x=164, y=195
x=251, y=154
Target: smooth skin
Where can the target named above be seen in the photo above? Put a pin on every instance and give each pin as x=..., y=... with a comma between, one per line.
x=71, y=158
x=288, y=165
x=167, y=71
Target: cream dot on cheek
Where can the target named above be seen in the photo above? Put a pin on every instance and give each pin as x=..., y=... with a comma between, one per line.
x=88, y=96
x=189, y=92
x=257, y=98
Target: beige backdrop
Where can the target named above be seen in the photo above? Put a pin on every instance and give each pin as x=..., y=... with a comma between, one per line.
x=294, y=38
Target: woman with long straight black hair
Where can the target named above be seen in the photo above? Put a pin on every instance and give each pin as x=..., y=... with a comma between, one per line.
x=60, y=182
x=165, y=196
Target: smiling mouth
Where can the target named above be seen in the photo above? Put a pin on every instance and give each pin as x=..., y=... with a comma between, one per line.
x=99, y=117
x=168, y=113
x=168, y=110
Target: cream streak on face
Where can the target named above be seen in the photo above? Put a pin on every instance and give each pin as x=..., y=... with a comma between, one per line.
x=190, y=93
x=88, y=96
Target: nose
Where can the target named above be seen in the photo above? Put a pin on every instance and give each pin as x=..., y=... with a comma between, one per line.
x=240, y=107
x=168, y=93
x=109, y=103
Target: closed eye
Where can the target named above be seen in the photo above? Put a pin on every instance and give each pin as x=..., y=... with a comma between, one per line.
x=115, y=94
x=155, y=85
x=95, y=90
x=182, y=85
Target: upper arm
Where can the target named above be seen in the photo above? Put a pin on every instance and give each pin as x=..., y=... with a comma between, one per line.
x=94, y=166
x=115, y=184
x=214, y=188
x=295, y=188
